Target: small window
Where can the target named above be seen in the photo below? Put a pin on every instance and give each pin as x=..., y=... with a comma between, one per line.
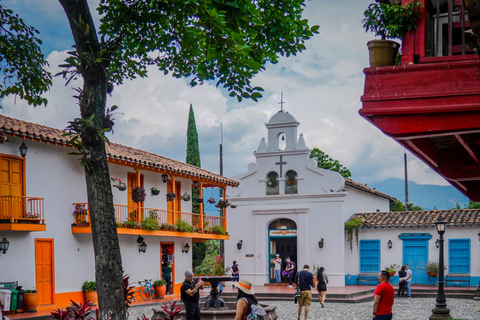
x=291, y=182
x=459, y=255
x=369, y=255
x=272, y=183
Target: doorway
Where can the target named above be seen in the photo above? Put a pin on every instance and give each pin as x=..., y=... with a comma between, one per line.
x=282, y=238
x=45, y=270
x=167, y=255
x=415, y=254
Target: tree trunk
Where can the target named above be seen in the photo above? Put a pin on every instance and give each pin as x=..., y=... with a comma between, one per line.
x=108, y=261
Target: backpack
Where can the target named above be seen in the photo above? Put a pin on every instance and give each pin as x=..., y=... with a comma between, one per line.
x=256, y=311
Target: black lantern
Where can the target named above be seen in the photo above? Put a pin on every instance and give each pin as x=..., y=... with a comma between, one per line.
x=437, y=243
x=143, y=247
x=440, y=311
x=164, y=178
x=4, y=245
x=186, y=248
x=320, y=243
x=195, y=184
x=140, y=239
x=239, y=244
x=389, y=244
x=478, y=235
x=23, y=149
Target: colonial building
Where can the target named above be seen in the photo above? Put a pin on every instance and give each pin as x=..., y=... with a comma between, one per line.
x=44, y=212
x=287, y=205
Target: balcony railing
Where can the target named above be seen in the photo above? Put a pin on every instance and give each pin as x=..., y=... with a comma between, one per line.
x=124, y=213
x=19, y=209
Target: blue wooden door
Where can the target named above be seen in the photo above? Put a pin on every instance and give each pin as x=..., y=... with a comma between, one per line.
x=415, y=254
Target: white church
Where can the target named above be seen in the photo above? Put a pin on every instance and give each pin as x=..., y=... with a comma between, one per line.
x=287, y=205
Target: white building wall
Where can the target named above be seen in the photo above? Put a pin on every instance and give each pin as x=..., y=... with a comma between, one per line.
x=361, y=201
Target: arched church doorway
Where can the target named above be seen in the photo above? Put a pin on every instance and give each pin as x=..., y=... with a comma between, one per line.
x=282, y=239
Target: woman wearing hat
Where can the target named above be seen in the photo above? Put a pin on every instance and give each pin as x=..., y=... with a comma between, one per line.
x=245, y=298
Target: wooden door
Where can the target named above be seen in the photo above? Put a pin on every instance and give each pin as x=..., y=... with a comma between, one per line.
x=12, y=184
x=44, y=270
x=132, y=183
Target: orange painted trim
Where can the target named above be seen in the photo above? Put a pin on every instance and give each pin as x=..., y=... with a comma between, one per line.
x=22, y=227
x=159, y=233
x=52, y=241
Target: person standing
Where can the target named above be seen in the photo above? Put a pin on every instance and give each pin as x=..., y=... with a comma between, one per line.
x=190, y=295
x=304, y=279
x=322, y=280
x=278, y=267
x=245, y=299
x=290, y=268
x=235, y=269
x=409, y=281
x=167, y=276
x=402, y=282
x=383, y=298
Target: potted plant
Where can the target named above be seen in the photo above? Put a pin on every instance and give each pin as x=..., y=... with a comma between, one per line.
x=30, y=301
x=171, y=196
x=233, y=206
x=160, y=288
x=183, y=226
x=432, y=268
x=186, y=197
x=223, y=204
x=392, y=269
x=218, y=230
x=138, y=194
x=90, y=290
x=211, y=200
x=164, y=226
x=389, y=21
x=154, y=191
x=117, y=183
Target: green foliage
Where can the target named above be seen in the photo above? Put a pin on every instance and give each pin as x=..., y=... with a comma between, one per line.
x=218, y=229
x=351, y=226
x=30, y=291
x=130, y=224
x=400, y=206
x=159, y=283
x=226, y=41
x=183, y=226
x=193, y=150
x=434, y=267
x=21, y=60
x=392, y=267
x=207, y=266
x=89, y=286
x=324, y=161
x=199, y=250
x=391, y=21
x=119, y=224
x=150, y=224
x=473, y=205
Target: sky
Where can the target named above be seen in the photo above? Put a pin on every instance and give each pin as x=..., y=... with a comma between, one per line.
x=321, y=86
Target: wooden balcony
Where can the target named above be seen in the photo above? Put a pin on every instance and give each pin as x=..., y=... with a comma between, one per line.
x=129, y=219
x=18, y=213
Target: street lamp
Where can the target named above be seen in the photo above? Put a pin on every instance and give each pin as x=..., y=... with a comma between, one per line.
x=389, y=244
x=440, y=311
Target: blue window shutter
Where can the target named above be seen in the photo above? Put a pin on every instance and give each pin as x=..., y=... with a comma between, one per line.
x=459, y=256
x=369, y=255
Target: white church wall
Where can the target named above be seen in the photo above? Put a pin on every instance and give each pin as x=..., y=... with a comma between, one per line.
x=361, y=201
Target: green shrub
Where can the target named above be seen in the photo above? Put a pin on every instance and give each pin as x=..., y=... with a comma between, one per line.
x=159, y=283
x=218, y=229
x=150, y=224
x=129, y=224
x=89, y=286
x=31, y=291
x=183, y=226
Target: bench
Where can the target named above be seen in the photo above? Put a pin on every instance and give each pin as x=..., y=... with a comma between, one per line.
x=367, y=277
x=457, y=278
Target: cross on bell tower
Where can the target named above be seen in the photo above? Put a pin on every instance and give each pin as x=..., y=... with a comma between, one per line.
x=281, y=103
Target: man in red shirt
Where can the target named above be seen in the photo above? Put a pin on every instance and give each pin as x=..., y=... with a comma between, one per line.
x=383, y=298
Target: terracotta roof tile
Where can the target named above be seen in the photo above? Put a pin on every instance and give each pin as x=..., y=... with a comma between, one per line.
x=359, y=186
x=116, y=151
x=454, y=217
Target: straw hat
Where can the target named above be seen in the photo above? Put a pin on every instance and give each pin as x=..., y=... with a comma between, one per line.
x=245, y=286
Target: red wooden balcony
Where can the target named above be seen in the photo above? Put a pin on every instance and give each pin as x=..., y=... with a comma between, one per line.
x=19, y=213
x=129, y=221
x=431, y=103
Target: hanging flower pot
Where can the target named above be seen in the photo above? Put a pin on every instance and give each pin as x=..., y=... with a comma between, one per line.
x=222, y=204
x=199, y=200
x=118, y=184
x=211, y=200
x=233, y=206
x=154, y=191
x=186, y=197
x=138, y=194
x=171, y=196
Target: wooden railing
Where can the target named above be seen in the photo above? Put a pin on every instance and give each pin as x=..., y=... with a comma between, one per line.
x=125, y=213
x=17, y=208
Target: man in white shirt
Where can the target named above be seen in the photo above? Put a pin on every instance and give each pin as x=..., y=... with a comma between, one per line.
x=278, y=267
x=409, y=280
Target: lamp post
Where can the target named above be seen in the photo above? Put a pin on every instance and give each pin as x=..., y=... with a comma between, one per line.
x=440, y=311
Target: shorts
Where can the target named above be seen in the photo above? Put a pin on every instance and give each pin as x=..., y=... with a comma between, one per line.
x=305, y=298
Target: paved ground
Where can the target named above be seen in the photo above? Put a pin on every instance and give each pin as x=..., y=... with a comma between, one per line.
x=404, y=309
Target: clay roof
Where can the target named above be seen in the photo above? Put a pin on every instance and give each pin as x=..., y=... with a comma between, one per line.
x=359, y=186
x=115, y=151
x=454, y=217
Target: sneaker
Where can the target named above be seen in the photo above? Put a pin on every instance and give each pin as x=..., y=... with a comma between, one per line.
x=289, y=286
x=322, y=304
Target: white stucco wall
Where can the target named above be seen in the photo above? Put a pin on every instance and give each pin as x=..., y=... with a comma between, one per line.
x=57, y=177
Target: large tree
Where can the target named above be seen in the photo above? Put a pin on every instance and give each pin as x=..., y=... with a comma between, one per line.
x=324, y=161
x=224, y=41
